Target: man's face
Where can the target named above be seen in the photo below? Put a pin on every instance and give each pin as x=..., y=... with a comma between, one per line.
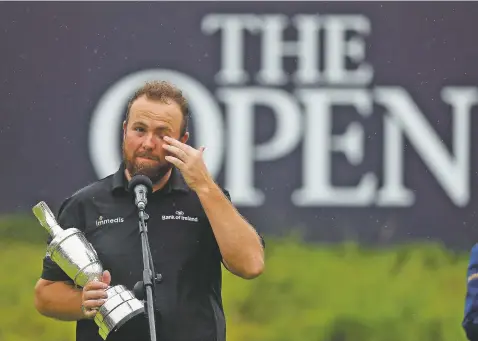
x=149, y=121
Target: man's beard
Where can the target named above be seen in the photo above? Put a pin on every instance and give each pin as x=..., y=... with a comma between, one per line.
x=153, y=171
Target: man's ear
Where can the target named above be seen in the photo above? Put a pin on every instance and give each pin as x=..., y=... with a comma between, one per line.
x=185, y=137
x=125, y=124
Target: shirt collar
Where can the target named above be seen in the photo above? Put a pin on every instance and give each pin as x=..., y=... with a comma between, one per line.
x=176, y=181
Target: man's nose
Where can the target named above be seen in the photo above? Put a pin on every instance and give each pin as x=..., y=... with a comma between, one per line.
x=148, y=142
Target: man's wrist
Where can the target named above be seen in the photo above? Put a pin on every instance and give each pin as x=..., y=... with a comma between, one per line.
x=207, y=188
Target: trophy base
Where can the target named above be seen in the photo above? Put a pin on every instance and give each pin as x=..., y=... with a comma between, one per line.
x=120, y=307
x=105, y=333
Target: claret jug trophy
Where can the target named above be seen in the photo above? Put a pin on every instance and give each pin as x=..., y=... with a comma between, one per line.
x=78, y=259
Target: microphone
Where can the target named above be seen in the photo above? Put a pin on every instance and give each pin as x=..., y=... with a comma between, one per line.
x=141, y=185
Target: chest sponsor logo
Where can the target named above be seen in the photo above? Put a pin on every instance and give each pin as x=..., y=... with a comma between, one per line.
x=104, y=221
x=179, y=215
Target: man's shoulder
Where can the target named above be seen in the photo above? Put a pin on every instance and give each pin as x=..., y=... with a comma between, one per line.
x=98, y=186
x=90, y=190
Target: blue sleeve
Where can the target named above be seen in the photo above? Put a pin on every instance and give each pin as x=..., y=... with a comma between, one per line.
x=470, y=321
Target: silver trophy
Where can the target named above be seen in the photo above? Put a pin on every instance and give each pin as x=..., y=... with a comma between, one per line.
x=78, y=259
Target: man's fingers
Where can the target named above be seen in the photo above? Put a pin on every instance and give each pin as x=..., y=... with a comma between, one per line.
x=179, y=144
x=93, y=304
x=181, y=154
x=175, y=161
x=95, y=285
x=106, y=277
x=90, y=308
x=90, y=313
x=94, y=295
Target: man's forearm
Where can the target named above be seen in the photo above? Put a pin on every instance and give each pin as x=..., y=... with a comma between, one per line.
x=240, y=246
x=60, y=301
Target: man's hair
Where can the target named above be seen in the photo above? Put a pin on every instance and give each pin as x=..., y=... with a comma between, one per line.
x=163, y=91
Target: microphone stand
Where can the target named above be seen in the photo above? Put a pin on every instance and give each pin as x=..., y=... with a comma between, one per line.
x=149, y=276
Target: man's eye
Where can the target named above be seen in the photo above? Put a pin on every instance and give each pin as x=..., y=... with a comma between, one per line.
x=140, y=129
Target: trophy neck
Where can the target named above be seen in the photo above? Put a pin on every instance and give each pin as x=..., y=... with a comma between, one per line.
x=47, y=219
x=54, y=230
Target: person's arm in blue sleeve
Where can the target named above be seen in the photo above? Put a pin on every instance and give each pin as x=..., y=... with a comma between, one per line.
x=470, y=321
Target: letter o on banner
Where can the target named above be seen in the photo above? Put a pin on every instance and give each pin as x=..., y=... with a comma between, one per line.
x=104, y=143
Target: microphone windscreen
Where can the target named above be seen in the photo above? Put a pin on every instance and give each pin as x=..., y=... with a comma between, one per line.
x=140, y=180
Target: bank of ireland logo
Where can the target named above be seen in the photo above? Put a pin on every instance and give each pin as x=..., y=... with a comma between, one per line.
x=104, y=140
x=179, y=215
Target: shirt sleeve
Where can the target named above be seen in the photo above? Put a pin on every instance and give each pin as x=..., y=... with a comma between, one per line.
x=470, y=321
x=68, y=217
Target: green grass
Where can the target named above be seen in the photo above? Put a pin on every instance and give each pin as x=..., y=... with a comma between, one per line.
x=19, y=271
x=334, y=293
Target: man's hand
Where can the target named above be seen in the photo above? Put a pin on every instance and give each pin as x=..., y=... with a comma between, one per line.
x=94, y=295
x=189, y=161
x=238, y=242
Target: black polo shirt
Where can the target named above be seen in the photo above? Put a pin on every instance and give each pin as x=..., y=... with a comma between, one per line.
x=184, y=252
